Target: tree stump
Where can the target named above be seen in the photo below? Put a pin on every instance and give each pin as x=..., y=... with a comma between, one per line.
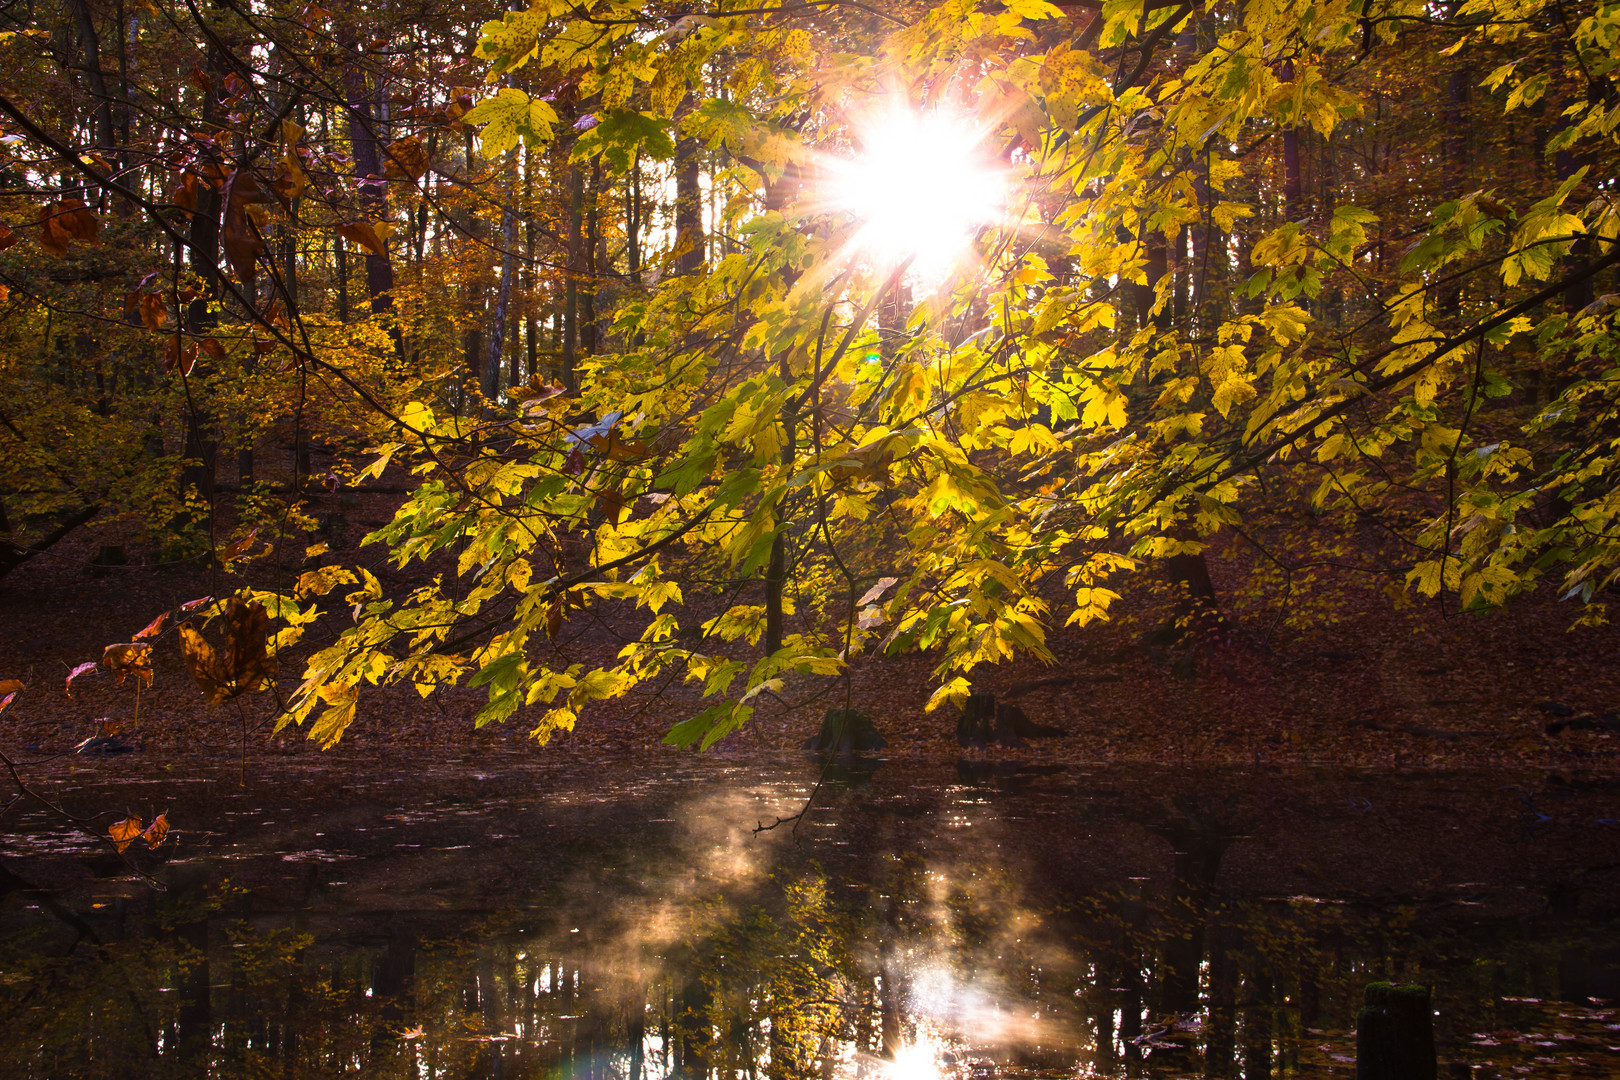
x=984, y=722
x=846, y=731
x=1395, y=1034
x=977, y=726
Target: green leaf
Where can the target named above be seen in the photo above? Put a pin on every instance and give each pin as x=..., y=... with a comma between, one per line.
x=620, y=134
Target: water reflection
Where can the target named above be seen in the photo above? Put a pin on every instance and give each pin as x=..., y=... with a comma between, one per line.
x=917, y=928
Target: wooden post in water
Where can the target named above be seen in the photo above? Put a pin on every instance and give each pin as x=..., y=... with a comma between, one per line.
x=1395, y=1034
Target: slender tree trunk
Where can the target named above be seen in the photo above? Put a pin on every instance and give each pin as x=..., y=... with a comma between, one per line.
x=105, y=140
x=688, y=207
x=340, y=259
x=570, y=329
x=503, y=291
x=587, y=302
x=363, y=138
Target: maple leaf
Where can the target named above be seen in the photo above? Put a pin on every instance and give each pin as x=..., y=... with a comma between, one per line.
x=245, y=664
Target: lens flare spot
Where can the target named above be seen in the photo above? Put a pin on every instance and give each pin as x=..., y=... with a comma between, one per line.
x=921, y=186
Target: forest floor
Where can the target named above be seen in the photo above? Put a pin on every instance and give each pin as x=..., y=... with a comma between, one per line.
x=1377, y=686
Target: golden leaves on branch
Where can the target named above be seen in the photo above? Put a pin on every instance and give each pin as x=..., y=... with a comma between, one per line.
x=126, y=832
x=245, y=663
x=62, y=222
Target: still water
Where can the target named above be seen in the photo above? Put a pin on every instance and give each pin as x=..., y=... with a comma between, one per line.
x=510, y=919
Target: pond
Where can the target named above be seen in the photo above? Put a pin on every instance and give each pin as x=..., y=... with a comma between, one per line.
x=511, y=919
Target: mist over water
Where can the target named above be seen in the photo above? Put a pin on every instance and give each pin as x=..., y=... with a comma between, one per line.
x=528, y=921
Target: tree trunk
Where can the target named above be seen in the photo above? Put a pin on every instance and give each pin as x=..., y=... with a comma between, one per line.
x=503, y=293
x=688, y=207
x=360, y=106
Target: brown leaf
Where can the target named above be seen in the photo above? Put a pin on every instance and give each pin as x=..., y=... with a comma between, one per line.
x=83, y=669
x=59, y=225
x=199, y=80
x=158, y=831
x=371, y=235
x=204, y=665
x=154, y=313
x=238, y=237
x=406, y=159
x=129, y=658
x=193, y=605
x=77, y=220
x=180, y=355
x=126, y=832
x=236, y=549
x=7, y=237
x=245, y=663
x=152, y=629
x=215, y=351
x=184, y=193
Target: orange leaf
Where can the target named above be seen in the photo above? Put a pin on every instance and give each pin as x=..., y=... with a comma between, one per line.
x=238, y=238
x=406, y=159
x=154, y=313
x=153, y=628
x=371, y=235
x=83, y=669
x=184, y=193
x=236, y=549
x=245, y=664
x=9, y=689
x=126, y=832
x=180, y=355
x=158, y=831
x=129, y=658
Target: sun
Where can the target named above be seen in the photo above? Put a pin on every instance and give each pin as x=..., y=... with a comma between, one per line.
x=921, y=186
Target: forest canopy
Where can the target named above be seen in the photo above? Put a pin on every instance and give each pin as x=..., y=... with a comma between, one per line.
x=758, y=337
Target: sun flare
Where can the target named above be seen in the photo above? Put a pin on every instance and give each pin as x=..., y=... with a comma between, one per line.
x=922, y=186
